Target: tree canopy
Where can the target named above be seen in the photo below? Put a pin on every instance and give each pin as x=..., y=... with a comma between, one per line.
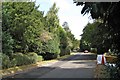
x=28, y=33
x=108, y=13
x=105, y=35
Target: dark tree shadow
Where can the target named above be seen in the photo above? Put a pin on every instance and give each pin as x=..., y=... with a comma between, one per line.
x=40, y=71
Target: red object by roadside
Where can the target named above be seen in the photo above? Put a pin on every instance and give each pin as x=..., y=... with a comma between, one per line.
x=103, y=61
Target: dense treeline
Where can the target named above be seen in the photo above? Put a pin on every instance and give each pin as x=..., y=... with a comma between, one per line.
x=28, y=35
x=89, y=39
x=104, y=33
x=108, y=15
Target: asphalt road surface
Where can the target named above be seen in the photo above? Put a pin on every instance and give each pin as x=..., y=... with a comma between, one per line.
x=79, y=65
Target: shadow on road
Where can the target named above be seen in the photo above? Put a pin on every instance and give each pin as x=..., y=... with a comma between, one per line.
x=57, y=73
x=81, y=57
x=67, y=68
x=34, y=73
x=82, y=72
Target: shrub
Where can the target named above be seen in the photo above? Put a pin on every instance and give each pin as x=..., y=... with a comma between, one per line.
x=5, y=61
x=33, y=56
x=7, y=44
x=93, y=50
x=65, y=51
x=13, y=62
x=52, y=46
x=39, y=58
x=22, y=59
x=0, y=61
x=50, y=49
x=48, y=55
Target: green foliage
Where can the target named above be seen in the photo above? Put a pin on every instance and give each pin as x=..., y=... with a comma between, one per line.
x=65, y=51
x=88, y=37
x=24, y=22
x=39, y=58
x=72, y=42
x=13, y=62
x=108, y=14
x=76, y=44
x=7, y=43
x=50, y=43
x=21, y=59
x=52, y=20
x=33, y=56
x=26, y=30
x=50, y=46
x=49, y=56
x=5, y=61
x=63, y=38
x=65, y=41
x=107, y=33
x=93, y=50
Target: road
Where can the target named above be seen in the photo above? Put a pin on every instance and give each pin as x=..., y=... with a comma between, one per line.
x=79, y=65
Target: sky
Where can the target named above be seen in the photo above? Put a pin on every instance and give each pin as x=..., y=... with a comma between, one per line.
x=68, y=12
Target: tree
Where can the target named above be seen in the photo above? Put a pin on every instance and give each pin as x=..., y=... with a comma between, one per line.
x=7, y=44
x=52, y=20
x=88, y=36
x=109, y=14
x=66, y=26
x=24, y=22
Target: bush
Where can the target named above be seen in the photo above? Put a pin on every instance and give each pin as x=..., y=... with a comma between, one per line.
x=13, y=62
x=49, y=56
x=22, y=59
x=65, y=51
x=39, y=58
x=50, y=49
x=5, y=61
x=33, y=56
x=52, y=46
x=7, y=44
x=0, y=61
x=93, y=50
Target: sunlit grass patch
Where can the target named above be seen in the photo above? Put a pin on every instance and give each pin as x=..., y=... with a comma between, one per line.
x=17, y=69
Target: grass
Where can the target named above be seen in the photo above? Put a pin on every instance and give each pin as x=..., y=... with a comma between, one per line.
x=18, y=69
x=63, y=57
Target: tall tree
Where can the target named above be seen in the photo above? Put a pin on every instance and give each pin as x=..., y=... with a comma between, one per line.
x=109, y=13
x=52, y=20
x=23, y=22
